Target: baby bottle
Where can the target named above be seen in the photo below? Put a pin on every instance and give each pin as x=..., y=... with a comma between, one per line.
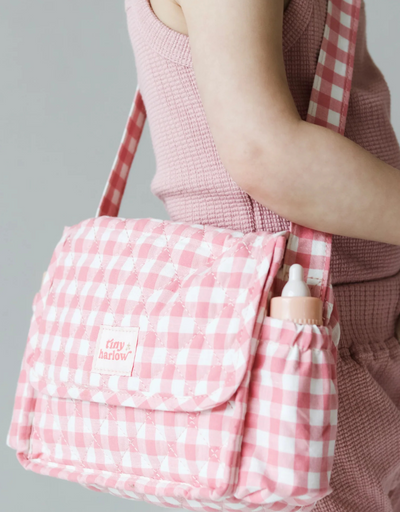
x=296, y=303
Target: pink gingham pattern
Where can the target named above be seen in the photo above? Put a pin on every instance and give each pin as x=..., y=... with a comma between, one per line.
x=116, y=183
x=193, y=292
x=225, y=408
x=328, y=107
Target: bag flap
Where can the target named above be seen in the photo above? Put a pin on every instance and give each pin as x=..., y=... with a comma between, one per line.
x=178, y=302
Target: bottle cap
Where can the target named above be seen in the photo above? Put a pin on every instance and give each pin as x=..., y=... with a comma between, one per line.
x=301, y=310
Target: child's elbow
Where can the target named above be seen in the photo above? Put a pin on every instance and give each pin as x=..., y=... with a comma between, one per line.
x=266, y=170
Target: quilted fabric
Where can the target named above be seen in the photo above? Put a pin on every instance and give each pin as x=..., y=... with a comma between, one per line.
x=193, y=292
x=224, y=408
x=174, y=428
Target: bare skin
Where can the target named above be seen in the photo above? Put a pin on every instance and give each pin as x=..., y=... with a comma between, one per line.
x=304, y=172
x=171, y=14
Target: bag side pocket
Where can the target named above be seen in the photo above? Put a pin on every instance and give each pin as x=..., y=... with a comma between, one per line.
x=291, y=421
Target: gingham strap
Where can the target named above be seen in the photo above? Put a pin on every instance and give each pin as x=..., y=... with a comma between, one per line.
x=114, y=190
x=328, y=107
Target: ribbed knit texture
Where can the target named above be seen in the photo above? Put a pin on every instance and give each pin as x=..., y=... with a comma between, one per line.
x=195, y=187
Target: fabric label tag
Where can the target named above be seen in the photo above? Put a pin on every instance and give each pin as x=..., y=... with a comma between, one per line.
x=115, y=350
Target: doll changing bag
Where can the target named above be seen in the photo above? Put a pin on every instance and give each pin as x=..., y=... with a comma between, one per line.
x=152, y=369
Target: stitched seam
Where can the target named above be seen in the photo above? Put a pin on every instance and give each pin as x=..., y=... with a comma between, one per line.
x=130, y=443
x=144, y=306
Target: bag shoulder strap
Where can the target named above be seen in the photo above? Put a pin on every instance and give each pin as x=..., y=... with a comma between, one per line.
x=114, y=190
x=328, y=107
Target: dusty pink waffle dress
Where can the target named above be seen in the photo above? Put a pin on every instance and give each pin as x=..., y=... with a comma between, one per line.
x=195, y=187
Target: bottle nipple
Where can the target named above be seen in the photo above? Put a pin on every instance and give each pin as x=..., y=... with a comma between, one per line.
x=296, y=287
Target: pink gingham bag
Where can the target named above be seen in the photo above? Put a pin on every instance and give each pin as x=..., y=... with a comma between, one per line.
x=152, y=370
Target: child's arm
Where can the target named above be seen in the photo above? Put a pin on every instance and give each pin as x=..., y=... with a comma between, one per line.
x=304, y=172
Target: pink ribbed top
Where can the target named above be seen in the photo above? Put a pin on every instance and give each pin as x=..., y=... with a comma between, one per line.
x=190, y=178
